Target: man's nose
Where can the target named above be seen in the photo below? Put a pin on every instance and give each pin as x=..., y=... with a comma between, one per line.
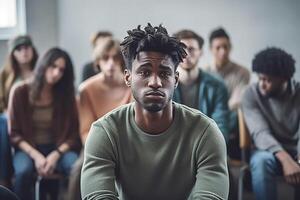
x=155, y=82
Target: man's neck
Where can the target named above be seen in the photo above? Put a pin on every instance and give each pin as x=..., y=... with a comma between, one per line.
x=112, y=81
x=154, y=122
x=220, y=64
x=188, y=77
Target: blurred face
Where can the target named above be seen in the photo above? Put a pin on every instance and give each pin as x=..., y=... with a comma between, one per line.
x=194, y=53
x=56, y=71
x=220, y=48
x=153, y=80
x=23, y=54
x=110, y=63
x=270, y=86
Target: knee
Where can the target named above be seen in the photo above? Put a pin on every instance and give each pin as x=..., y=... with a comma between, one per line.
x=24, y=171
x=68, y=161
x=262, y=161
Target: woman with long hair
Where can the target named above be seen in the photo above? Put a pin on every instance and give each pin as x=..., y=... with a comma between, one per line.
x=19, y=65
x=43, y=122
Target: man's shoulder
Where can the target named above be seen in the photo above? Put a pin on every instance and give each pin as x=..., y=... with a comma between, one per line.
x=116, y=117
x=89, y=83
x=211, y=80
x=190, y=114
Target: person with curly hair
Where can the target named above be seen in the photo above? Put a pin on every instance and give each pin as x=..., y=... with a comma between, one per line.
x=271, y=109
x=154, y=148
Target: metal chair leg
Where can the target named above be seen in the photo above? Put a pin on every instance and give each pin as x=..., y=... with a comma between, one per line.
x=37, y=187
x=241, y=182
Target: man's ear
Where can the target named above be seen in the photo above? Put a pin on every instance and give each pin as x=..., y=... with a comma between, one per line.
x=176, y=78
x=127, y=77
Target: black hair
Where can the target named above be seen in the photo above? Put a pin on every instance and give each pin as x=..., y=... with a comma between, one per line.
x=218, y=33
x=188, y=34
x=274, y=61
x=151, y=39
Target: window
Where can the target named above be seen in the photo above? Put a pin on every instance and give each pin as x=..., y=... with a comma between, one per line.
x=12, y=18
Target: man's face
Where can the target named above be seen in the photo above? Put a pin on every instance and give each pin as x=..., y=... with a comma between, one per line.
x=110, y=63
x=152, y=80
x=220, y=48
x=270, y=86
x=194, y=53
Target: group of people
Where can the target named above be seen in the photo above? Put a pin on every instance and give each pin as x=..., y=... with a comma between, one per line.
x=148, y=122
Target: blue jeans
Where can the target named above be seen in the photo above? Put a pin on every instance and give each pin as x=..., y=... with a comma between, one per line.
x=264, y=169
x=6, y=168
x=25, y=169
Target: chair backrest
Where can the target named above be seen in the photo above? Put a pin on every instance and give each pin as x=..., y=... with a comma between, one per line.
x=245, y=139
x=7, y=194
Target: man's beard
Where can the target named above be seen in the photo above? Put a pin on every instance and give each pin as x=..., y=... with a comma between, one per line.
x=153, y=107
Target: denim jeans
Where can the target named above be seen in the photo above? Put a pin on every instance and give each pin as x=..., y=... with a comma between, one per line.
x=264, y=169
x=6, y=168
x=25, y=169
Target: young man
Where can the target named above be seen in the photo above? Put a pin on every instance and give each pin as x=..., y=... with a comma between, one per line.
x=89, y=69
x=154, y=148
x=99, y=95
x=198, y=89
x=235, y=76
x=272, y=113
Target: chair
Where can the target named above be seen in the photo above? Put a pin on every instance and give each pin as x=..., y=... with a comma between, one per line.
x=245, y=146
x=40, y=178
x=7, y=194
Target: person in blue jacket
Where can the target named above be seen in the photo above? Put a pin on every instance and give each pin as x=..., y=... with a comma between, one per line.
x=198, y=89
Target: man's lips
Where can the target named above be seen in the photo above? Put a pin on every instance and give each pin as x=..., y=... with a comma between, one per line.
x=155, y=93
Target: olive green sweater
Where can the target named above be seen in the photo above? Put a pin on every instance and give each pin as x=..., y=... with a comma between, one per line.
x=187, y=161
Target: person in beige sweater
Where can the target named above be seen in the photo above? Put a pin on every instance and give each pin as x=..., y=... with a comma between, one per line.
x=98, y=95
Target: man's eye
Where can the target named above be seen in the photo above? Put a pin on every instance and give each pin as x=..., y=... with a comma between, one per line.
x=165, y=74
x=144, y=73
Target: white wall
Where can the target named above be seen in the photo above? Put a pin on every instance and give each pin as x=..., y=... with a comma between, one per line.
x=252, y=25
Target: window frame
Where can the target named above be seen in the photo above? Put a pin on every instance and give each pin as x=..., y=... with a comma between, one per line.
x=20, y=28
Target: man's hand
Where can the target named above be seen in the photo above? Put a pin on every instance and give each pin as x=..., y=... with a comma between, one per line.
x=291, y=170
x=51, y=161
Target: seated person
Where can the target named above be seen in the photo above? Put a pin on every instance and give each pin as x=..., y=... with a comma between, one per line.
x=43, y=122
x=154, y=148
x=198, y=89
x=99, y=95
x=19, y=66
x=236, y=78
x=271, y=109
x=90, y=69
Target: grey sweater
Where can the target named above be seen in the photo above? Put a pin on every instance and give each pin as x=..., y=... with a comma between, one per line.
x=187, y=161
x=274, y=123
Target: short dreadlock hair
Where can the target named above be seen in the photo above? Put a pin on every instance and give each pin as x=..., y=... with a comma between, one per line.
x=151, y=39
x=274, y=61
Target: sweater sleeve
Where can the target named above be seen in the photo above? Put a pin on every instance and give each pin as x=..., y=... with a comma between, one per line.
x=14, y=123
x=257, y=125
x=212, y=180
x=86, y=115
x=98, y=171
x=221, y=112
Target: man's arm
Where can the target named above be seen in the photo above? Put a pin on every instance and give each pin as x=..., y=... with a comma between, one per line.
x=221, y=112
x=257, y=125
x=86, y=114
x=212, y=180
x=98, y=170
